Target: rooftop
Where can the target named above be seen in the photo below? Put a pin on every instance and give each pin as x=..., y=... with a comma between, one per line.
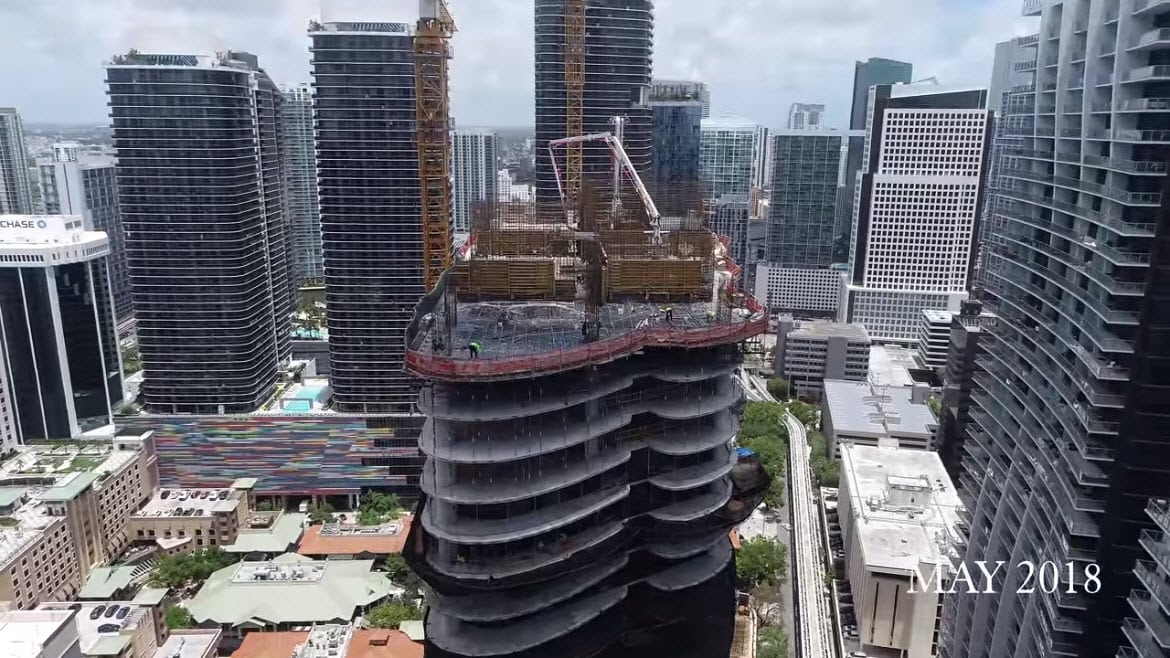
x=271, y=533
x=828, y=328
x=191, y=643
x=859, y=408
x=935, y=316
x=346, y=641
x=104, y=582
x=890, y=365
x=108, y=633
x=23, y=633
x=190, y=502
x=336, y=539
x=903, y=503
x=290, y=589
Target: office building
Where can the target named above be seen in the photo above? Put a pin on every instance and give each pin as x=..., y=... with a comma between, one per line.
x=678, y=116
x=730, y=219
x=63, y=365
x=373, y=251
x=876, y=415
x=893, y=365
x=965, y=345
x=934, y=335
x=806, y=218
x=474, y=167
x=594, y=495
x=77, y=184
x=684, y=90
x=811, y=351
x=39, y=634
x=802, y=116
x=920, y=195
x=874, y=71
x=16, y=195
x=188, y=520
x=732, y=156
x=300, y=174
x=68, y=506
x=899, y=518
x=1069, y=439
x=205, y=229
x=618, y=52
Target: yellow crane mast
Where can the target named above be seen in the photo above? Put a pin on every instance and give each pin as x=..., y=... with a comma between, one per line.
x=574, y=94
x=431, y=52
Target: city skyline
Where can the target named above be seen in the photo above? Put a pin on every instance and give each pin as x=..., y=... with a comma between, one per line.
x=796, y=53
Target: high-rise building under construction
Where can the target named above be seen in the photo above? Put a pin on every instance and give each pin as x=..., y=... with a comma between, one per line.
x=618, y=51
x=581, y=476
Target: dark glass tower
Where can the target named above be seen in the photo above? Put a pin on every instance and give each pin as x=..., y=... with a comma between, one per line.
x=60, y=346
x=677, y=132
x=803, y=218
x=371, y=227
x=619, y=36
x=199, y=186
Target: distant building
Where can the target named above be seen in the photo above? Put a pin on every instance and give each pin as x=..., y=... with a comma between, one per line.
x=474, y=168
x=731, y=220
x=355, y=542
x=189, y=520
x=338, y=640
x=16, y=195
x=300, y=171
x=63, y=362
x=914, y=229
x=934, y=334
x=966, y=343
x=893, y=365
x=732, y=156
x=802, y=116
x=874, y=71
x=886, y=416
x=76, y=184
x=206, y=234
x=807, y=219
x=899, y=518
x=39, y=634
x=809, y=352
x=683, y=90
x=678, y=120
x=135, y=629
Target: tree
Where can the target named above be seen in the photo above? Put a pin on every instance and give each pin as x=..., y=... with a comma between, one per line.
x=767, y=601
x=804, y=412
x=771, y=643
x=761, y=560
x=935, y=407
x=177, y=571
x=378, y=507
x=400, y=573
x=763, y=433
x=390, y=615
x=778, y=388
x=176, y=617
x=322, y=512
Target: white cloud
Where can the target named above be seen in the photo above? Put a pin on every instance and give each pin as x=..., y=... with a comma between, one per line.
x=758, y=55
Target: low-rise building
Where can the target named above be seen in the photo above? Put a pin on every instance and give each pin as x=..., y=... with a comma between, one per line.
x=336, y=640
x=287, y=592
x=38, y=634
x=811, y=351
x=934, y=333
x=63, y=511
x=187, y=520
x=898, y=512
x=338, y=541
x=893, y=365
x=887, y=416
x=126, y=629
x=265, y=535
x=965, y=344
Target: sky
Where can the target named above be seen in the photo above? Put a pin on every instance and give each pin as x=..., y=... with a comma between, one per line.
x=757, y=56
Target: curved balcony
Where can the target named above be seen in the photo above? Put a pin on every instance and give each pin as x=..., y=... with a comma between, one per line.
x=442, y=520
x=1148, y=74
x=506, y=445
x=698, y=475
x=695, y=507
x=503, y=401
x=685, y=547
x=694, y=571
x=460, y=638
x=1110, y=219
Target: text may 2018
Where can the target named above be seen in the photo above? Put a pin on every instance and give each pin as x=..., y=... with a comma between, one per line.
x=983, y=577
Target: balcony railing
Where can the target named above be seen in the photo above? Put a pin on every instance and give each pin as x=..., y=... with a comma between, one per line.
x=1149, y=576
x=1030, y=40
x=1121, y=196
x=1108, y=218
x=1147, y=609
x=1128, y=166
x=1142, y=135
x=1150, y=104
x=1029, y=65
x=1153, y=36
x=1159, y=511
x=1140, y=638
x=1160, y=72
x=1142, y=5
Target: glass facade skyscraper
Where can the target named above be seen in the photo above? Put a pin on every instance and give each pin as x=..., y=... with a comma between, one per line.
x=300, y=167
x=677, y=133
x=807, y=178
x=1069, y=441
x=200, y=189
x=874, y=71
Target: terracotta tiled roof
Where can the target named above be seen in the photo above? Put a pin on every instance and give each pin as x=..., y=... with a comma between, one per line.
x=313, y=543
x=365, y=644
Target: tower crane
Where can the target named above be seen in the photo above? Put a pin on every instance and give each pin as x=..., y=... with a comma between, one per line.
x=433, y=125
x=574, y=97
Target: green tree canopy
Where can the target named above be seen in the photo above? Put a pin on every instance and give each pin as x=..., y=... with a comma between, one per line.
x=778, y=388
x=771, y=642
x=390, y=615
x=763, y=432
x=378, y=507
x=322, y=512
x=804, y=412
x=400, y=573
x=761, y=560
x=176, y=617
x=178, y=571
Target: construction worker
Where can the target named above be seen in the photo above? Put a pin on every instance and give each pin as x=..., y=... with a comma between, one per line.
x=669, y=313
x=473, y=350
